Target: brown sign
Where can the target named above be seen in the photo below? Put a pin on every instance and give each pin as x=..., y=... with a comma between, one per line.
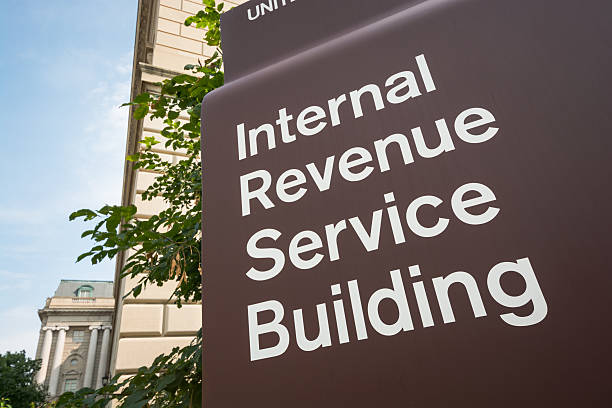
x=410, y=206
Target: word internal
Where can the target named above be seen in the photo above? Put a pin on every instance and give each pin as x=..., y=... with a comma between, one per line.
x=401, y=87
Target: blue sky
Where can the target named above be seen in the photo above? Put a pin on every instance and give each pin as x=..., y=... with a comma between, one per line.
x=65, y=67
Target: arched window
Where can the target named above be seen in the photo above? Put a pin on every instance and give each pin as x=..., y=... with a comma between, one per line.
x=73, y=363
x=85, y=291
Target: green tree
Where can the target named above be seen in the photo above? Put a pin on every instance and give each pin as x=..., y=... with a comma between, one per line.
x=17, y=386
x=165, y=247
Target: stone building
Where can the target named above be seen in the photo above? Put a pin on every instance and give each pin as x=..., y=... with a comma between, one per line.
x=151, y=324
x=75, y=334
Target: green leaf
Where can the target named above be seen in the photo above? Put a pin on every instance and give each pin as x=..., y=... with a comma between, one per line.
x=85, y=213
x=164, y=381
x=83, y=256
x=142, y=98
x=113, y=222
x=141, y=112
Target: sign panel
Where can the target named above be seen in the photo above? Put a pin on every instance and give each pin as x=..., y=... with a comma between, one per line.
x=411, y=207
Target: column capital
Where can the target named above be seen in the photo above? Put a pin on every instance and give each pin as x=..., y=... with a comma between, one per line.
x=65, y=328
x=96, y=327
x=106, y=327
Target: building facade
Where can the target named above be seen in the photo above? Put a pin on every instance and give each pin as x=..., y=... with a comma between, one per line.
x=151, y=324
x=75, y=335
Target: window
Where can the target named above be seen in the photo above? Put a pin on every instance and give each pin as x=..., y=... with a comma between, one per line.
x=78, y=336
x=74, y=362
x=85, y=291
x=70, y=385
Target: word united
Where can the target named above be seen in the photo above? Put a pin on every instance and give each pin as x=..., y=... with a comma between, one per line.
x=307, y=249
x=266, y=7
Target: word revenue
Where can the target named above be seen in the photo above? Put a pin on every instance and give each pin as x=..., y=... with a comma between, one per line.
x=398, y=295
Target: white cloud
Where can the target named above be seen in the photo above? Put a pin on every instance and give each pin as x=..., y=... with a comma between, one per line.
x=23, y=333
x=14, y=281
x=99, y=167
x=17, y=340
x=124, y=66
x=97, y=151
x=19, y=216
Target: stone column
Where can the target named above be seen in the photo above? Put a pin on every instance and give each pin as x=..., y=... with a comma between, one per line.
x=57, y=361
x=91, y=356
x=44, y=355
x=103, y=365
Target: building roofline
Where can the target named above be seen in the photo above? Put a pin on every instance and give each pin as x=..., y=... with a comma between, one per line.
x=86, y=280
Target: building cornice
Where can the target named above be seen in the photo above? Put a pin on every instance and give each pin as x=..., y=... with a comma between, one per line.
x=49, y=312
x=157, y=71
